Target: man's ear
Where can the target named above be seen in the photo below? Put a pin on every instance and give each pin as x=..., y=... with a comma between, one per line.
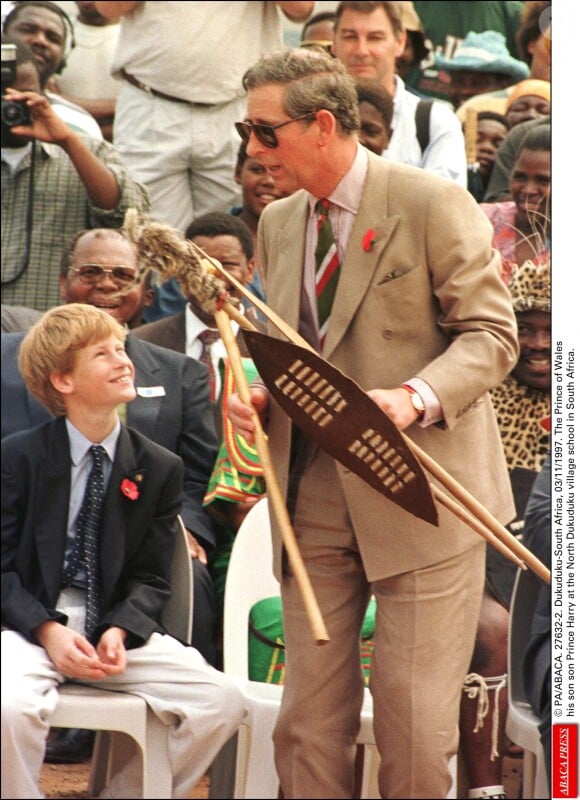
x=148, y=297
x=62, y=287
x=250, y=269
x=326, y=123
x=401, y=44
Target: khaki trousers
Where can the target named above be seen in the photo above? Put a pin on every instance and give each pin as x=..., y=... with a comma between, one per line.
x=425, y=631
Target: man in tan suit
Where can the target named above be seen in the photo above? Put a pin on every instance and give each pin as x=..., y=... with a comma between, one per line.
x=419, y=302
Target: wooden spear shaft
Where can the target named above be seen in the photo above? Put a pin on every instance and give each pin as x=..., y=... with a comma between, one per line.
x=275, y=496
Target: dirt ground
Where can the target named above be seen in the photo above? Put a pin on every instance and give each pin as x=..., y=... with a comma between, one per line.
x=71, y=781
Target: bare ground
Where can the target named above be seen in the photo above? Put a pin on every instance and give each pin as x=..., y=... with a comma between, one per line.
x=71, y=781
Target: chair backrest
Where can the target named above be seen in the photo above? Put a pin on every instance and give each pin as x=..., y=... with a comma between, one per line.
x=177, y=615
x=525, y=593
x=249, y=578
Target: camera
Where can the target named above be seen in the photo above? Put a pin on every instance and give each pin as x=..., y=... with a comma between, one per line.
x=14, y=112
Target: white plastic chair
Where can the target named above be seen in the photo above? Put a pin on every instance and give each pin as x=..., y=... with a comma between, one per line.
x=246, y=769
x=522, y=722
x=115, y=713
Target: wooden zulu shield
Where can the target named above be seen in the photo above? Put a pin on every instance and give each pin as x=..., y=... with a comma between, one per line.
x=341, y=418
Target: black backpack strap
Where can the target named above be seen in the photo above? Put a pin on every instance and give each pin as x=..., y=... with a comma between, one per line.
x=422, y=114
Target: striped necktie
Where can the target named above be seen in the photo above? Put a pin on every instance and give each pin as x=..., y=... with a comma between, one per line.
x=327, y=268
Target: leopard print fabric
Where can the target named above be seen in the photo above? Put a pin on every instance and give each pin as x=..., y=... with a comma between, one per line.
x=519, y=409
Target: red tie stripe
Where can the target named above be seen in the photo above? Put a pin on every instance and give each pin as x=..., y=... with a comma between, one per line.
x=327, y=268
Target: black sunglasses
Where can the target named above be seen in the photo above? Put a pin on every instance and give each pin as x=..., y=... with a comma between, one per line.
x=266, y=133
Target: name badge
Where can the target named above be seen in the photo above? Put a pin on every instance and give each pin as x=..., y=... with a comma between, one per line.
x=151, y=391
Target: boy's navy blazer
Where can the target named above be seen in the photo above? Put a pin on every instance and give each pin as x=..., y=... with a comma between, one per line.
x=137, y=536
x=172, y=408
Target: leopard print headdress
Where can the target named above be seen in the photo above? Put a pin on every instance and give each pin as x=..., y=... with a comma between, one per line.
x=530, y=286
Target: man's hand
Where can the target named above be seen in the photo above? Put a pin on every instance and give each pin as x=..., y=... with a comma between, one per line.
x=99, y=181
x=195, y=549
x=232, y=514
x=242, y=415
x=46, y=126
x=396, y=403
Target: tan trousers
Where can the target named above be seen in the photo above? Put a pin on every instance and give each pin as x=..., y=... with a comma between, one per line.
x=425, y=631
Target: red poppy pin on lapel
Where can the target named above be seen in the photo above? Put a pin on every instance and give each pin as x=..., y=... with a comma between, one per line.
x=129, y=489
x=368, y=240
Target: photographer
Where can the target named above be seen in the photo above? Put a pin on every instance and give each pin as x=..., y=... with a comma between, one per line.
x=55, y=182
x=48, y=31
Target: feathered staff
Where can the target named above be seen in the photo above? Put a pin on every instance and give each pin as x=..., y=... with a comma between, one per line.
x=169, y=253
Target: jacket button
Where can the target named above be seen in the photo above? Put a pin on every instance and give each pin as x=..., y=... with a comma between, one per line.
x=388, y=333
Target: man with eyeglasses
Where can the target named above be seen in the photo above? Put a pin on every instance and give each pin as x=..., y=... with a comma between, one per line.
x=54, y=182
x=422, y=321
x=100, y=268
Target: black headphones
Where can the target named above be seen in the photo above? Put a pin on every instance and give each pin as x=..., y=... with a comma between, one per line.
x=69, y=38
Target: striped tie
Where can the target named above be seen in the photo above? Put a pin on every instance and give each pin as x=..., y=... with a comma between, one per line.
x=327, y=268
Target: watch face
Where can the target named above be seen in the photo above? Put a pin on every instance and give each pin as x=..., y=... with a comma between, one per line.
x=417, y=403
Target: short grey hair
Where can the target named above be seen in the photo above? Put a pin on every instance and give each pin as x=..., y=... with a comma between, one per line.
x=313, y=80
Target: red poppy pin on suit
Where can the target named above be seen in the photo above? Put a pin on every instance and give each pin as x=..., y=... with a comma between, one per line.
x=130, y=489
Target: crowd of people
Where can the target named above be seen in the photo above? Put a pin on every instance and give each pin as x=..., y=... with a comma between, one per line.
x=385, y=188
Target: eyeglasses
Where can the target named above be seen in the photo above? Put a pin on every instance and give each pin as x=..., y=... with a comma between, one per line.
x=94, y=273
x=266, y=133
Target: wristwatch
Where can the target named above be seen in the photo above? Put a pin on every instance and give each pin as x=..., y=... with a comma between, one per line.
x=416, y=400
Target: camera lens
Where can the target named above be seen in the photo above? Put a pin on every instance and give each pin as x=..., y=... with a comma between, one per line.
x=15, y=113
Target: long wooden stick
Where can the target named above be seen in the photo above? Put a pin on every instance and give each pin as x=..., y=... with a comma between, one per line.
x=275, y=496
x=462, y=513
x=470, y=136
x=480, y=512
x=478, y=518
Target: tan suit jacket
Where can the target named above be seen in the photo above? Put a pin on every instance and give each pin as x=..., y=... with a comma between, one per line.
x=426, y=300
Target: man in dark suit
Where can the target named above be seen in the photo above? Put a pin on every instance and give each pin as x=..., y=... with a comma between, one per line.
x=172, y=408
x=84, y=601
x=423, y=323
x=229, y=240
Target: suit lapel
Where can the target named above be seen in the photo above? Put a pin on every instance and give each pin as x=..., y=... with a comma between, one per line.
x=286, y=286
x=178, y=324
x=142, y=412
x=52, y=505
x=173, y=329
x=360, y=265
x=112, y=545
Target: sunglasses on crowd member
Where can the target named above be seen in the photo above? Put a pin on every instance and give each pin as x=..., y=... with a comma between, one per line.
x=94, y=273
x=266, y=134
x=318, y=44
